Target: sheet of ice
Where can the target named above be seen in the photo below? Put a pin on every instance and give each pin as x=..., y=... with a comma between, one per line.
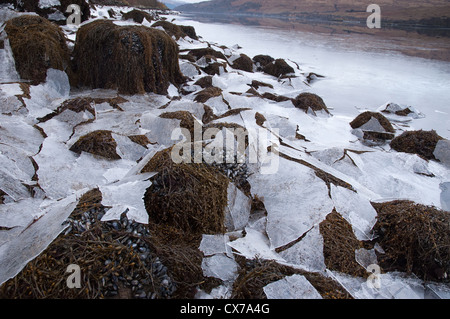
x=442, y=152
x=215, y=244
x=8, y=71
x=295, y=199
x=16, y=132
x=441, y=291
x=445, y=196
x=254, y=244
x=189, y=69
x=308, y=252
x=356, y=209
x=127, y=196
x=62, y=172
x=15, y=254
x=384, y=286
x=48, y=96
x=220, y=292
x=220, y=266
x=366, y=257
x=238, y=209
x=127, y=149
x=20, y=213
x=291, y=287
x=161, y=130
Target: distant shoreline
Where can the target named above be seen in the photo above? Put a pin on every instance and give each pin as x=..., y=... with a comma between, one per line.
x=423, y=26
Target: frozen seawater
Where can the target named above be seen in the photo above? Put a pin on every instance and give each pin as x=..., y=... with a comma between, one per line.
x=220, y=266
x=295, y=200
x=215, y=244
x=16, y=253
x=127, y=196
x=308, y=252
x=445, y=196
x=238, y=209
x=291, y=287
x=442, y=152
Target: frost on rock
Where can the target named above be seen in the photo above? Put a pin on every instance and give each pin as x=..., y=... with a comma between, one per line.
x=291, y=287
x=16, y=253
x=295, y=200
x=308, y=252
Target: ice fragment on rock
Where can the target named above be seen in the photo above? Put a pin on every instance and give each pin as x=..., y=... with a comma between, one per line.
x=220, y=266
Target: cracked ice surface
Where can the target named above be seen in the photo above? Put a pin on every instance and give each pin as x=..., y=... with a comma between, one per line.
x=295, y=199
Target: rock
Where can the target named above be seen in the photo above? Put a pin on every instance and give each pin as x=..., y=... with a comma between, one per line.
x=177, y=31
x=37, y=45
x=207, y=93
x=198, y=53
x=310, y=102
x=262, y=60
x=278, y=68
x=98, y=143
x=373, y=128
x=137, y=16
x=132, y=59
x=422, y=143
x=215, y=68
x=204, y=82
x=243, y=63
x=401, y=110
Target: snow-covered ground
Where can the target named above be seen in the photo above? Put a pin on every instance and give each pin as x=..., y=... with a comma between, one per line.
x=296, y=199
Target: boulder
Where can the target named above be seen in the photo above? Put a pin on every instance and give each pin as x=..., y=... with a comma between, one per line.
x=262, y=60
x=177, y=31
x=37, y=45
x=278, y=68
x=310, y=102
x=137, y=16
x=132, y=59
x=243, y=63
x=422, y=143
x=372, y=128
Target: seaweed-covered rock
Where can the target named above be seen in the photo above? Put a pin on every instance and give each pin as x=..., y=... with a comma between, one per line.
x=37, y=45
x=201, y=52
x=207, y=93
x=204, y=82
x=132, y=59
x=262, y=60
x=373, y=128
x=137, y=16
x=278, y=68
x=98, y=143
x=310, y=102
x=188, y=197
x=177, y=31
x=422, y=143
x=243, y=63
x=415, y=239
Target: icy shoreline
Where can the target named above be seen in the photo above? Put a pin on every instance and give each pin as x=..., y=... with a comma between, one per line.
x=43, y=180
